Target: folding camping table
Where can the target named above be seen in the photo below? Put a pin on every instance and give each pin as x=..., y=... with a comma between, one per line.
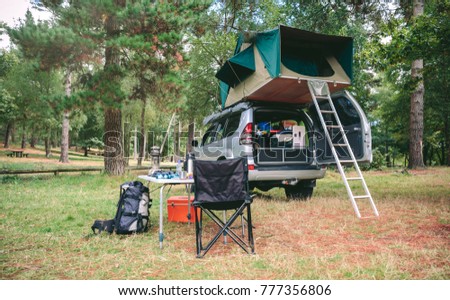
x=164, y=183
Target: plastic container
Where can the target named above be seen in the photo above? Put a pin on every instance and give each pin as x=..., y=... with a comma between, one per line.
x=177, y=209
x=179, y=168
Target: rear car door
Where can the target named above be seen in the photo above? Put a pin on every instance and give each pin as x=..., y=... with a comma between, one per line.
x=355, y=124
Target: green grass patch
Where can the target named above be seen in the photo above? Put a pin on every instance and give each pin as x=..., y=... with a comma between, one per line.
x=45, y=233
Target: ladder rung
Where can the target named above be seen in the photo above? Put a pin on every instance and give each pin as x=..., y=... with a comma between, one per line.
x=340, y=145
x=321, y=97
x=361, y=197
x=368, y=217
x=333, y=126
x=354, y=178
x=327, y=111
x=346, y=161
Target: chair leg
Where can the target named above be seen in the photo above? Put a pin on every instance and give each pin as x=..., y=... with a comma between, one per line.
x=224, y=214
x=198, y=231
x=225, y=230
x=243, y=225
x=250, y=229
x=226, y=227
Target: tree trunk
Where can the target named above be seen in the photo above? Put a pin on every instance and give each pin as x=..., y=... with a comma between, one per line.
x=446, y=145
x=176, y=142
x=191, y=129
x=9, y=127
x=416, y=112
x=126, y=142
x=430, y=157
x=135, y=144
x=113, y=159
x=113, y=139
x=144, y=152
x=24, y=137
x=48, y=149
x=33, y=141
x=64, y=158
x=142, y=135
x=13, y=133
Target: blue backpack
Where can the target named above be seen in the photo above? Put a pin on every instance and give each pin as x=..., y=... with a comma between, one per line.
x=132, y=215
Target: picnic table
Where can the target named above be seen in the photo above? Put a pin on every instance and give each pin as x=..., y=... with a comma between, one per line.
x=17, y=153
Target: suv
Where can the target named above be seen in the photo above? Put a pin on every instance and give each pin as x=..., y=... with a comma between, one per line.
x=284, y=143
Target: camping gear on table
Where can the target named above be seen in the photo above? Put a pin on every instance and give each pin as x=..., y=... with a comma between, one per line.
x=132, y=215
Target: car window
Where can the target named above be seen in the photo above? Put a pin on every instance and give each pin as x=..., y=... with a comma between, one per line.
x=210, y=134
x=214, y=132
x=219, y=130
x=232, y=125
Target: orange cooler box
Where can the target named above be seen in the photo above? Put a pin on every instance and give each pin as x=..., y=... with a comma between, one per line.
x=177, y=209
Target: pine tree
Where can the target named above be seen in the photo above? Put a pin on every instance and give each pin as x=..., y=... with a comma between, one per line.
x=55, y=46
x=416, y=110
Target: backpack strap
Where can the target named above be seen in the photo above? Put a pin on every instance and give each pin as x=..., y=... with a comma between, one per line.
x=119, y=206
x=103, y=225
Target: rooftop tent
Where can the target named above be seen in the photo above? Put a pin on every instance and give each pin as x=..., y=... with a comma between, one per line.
x=275, y=65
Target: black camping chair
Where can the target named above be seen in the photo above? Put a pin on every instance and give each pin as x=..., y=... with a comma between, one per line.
x=222, y=185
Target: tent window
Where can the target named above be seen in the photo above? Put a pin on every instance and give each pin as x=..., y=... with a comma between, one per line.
x=309, y=64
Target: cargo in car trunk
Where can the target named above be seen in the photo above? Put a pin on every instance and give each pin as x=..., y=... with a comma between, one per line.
x=281, y=136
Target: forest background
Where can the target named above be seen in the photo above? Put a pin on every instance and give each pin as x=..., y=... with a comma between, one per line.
x=118, y=75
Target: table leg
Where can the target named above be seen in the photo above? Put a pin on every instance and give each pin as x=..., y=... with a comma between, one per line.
x=161, y=200
x=188, y=187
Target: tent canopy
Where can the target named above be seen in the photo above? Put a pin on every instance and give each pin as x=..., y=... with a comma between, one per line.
x=266, y=64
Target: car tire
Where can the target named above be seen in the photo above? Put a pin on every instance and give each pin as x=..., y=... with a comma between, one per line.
x=296, y=192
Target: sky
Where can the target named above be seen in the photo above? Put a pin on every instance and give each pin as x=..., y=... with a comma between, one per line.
x=13, y=10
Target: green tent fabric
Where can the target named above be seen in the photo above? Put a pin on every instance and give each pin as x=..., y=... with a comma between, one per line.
x=345, y=58
x=305, y=52
x=238, y=68
x=268, y=44
x=224, y=88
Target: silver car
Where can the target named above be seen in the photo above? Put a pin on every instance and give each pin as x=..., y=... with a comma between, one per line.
x=284, y=144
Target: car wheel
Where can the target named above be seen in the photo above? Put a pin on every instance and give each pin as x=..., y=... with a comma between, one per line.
x=296, y=192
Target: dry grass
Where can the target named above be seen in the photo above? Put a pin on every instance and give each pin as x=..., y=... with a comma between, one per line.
x=45, y=224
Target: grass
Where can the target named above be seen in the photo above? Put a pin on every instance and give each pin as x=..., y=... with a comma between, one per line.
x=45, y=233
x=36, y=160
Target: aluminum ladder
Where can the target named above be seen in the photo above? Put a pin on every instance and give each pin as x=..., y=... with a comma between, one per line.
x=320, y=92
